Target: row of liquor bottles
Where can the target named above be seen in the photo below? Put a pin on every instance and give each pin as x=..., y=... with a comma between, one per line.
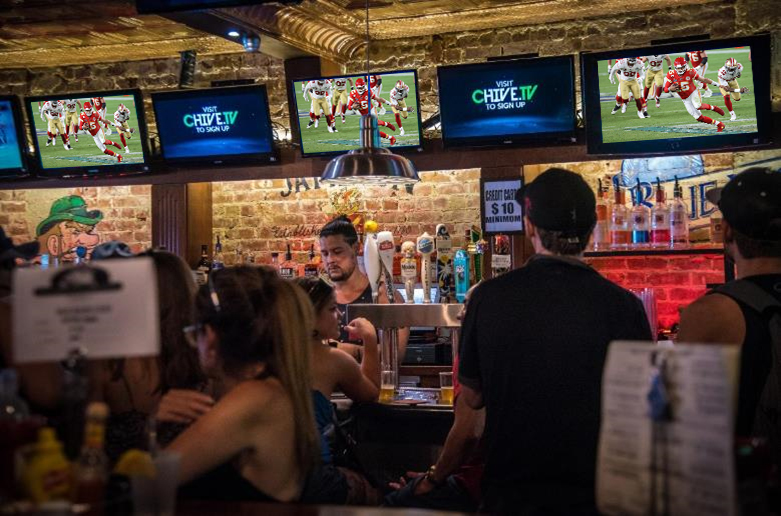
x=663, y=225
x=428, y=260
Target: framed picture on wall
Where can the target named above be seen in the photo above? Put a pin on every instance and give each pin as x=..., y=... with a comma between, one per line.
x=500, y=212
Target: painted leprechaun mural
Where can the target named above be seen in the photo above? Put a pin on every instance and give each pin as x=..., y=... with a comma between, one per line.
x=69, y=225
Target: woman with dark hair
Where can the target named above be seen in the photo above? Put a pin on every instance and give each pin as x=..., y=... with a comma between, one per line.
x=133, y=387
x=259, y=441
x=333, y=369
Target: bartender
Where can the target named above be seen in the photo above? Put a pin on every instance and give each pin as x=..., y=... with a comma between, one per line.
x=339, y=253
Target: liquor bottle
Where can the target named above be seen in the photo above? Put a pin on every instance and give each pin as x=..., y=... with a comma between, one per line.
x=679, y=219
x=287, y=269
x=239, y=259
x=660, y=219
x=312, y=267
x=204, y=265
x=90, y=472
x=640, y=216
x=620, y=236
x=218, y=262
x=601, y=235
x=501, y=259
x=409, y=270
x=461, y=265
x=444, y=247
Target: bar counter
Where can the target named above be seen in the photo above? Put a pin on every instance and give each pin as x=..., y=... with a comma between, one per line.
x=193, y=508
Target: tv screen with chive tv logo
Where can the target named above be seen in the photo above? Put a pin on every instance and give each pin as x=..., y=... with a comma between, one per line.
x=217, y=125
x=507, y=102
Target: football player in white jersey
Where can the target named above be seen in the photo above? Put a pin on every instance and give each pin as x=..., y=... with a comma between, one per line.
x=728, y=84
x=121, y=116
x=398, y=102
x=654, y=75
x=72, y=110
x=53, y=112
x=340, y=96
x=375, y=86
x=319, y=92
x=628, y=70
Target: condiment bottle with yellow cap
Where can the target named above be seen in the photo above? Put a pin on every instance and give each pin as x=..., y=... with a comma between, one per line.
x=47, y=476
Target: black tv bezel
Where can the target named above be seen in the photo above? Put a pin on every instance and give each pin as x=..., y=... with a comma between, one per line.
x=10, y=174
x=401, y=149
x=219, y=159
x=512, y=140
x=88, y=171
x=760, y=59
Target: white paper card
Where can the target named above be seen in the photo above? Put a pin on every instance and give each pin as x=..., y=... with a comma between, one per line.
x=695, y=450
x=107, y=308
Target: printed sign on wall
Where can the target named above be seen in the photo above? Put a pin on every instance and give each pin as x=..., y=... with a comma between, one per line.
x=499, y=210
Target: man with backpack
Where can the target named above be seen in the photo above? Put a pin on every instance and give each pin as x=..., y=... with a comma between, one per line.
x=747, y=311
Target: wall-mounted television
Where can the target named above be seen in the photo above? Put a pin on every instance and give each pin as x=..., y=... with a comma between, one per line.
x=218, y=125
x=12, y=140
x=507, y=102
x=676, y=111
x=99, y=133
x=329, y=110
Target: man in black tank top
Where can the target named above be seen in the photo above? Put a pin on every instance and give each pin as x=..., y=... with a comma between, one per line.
x=339, y=253
x=751, y=205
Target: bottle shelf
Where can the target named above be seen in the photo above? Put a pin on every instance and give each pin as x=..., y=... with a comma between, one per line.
x=654, y=252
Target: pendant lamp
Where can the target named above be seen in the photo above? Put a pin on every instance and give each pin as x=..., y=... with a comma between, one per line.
x=371, y=163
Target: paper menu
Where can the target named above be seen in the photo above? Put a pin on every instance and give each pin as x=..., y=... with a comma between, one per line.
x=694, y=452
x=107, y=308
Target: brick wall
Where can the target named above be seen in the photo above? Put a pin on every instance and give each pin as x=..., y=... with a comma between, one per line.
x=126, y=212
x=676, y=280
x=260, y=217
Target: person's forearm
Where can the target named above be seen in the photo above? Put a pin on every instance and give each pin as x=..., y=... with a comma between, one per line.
x=461, y=440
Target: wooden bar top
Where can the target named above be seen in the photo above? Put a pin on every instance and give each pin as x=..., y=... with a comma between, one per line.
x=192, y=508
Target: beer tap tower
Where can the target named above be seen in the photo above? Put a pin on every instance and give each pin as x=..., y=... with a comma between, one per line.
x=425, y=248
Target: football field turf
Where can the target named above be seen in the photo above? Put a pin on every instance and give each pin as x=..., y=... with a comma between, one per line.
x=671, y=120
x=85, y=152
x=318, y=139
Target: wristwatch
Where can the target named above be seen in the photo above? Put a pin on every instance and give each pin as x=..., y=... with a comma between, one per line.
x=430, y=477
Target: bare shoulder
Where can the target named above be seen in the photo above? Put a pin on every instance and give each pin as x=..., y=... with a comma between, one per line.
x=254, y=396
x=713, y=318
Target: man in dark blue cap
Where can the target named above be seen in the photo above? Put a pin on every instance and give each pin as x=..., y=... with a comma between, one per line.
x=533, y=348
x=747, y=311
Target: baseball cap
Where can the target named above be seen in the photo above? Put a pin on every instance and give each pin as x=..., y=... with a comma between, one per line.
x=751, y=203
x=559, y=200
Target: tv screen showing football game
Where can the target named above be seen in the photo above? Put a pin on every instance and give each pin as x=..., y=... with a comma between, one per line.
x=217, y=124
x=507, y=102
x=89, y=133
x=12, y=162
x=682, y=97
x=329, y=110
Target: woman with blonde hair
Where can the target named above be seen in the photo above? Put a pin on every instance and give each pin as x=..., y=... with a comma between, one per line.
x=259, y=441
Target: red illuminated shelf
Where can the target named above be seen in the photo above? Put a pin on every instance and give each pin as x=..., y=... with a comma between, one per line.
x=655, y=252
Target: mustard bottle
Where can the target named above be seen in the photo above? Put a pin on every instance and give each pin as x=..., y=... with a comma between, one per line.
x=48, y=474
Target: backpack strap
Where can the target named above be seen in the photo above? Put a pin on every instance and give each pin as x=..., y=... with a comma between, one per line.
x=767, y=418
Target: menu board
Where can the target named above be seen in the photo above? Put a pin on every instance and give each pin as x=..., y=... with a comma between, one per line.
x=683, y=465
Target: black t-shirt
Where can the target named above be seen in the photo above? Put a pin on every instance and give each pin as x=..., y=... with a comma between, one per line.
x=755, y=355
x=534, y=341
x=365, y=298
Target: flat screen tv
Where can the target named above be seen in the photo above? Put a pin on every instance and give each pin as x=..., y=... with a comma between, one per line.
x=730, y=110
x=100, y=133
x=507, y=102
x=329, y=110
x=218, y=125
x=12, y=140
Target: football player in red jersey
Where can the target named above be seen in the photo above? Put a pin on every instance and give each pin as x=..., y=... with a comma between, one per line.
x=361, y=98
x=99, y=105
x=90, y=121
x=680, y=80
x=699, y=61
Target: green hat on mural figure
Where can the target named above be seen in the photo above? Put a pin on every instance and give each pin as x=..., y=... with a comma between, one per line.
x=70, y=208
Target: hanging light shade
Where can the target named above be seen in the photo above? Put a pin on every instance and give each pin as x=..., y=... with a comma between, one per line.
x=370, y=163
